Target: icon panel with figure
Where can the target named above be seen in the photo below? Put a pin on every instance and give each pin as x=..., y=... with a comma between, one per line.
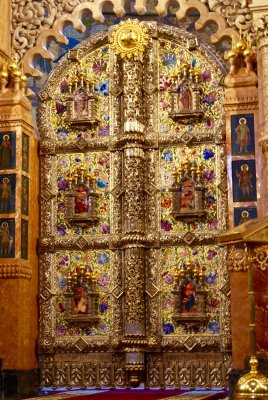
x=242, y=129
x=7, y=150
x=7, y=238
x=244, y=180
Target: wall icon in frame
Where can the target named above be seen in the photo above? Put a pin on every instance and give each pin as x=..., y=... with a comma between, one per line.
x=7, y=238
x=7, y=193
x=244, y=180
x=242, y=128
x=7, y=150
x=244, y=214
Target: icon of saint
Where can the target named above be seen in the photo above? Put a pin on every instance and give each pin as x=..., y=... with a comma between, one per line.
x=80, y=103
x=244, y=180
x=5, y=152
x=80, y=301
x=242, y=136
x=5, y=195
x=244, y=217
x=6, y=240
x=185, y=98
x=187, y=196
x=188, y=299
x=81, y=200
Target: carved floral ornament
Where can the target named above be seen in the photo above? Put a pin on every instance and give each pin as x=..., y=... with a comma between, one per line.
x=238, y=258
x=35, y=23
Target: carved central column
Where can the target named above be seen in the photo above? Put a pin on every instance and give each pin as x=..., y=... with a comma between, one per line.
x=129, y=40
x=134, y=216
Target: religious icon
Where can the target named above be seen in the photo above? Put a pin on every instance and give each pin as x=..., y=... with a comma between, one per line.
x=187, y=195
x=189, y=299
x=7, y=193
x=81, y=200
x=7, y=150
x=80, y=103
x=7, y=233
x=25, y=152
x=80, y=301
x=242, y=127
x=187, y=192
x=82, y=298
x=25, y=195
x=244, y=180
x=190, y=294
x=185, y=93
x=242, y=215
x=185, y=97
x=24, y=239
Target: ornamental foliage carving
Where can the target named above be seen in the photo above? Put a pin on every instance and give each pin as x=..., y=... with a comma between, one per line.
x=34, y=22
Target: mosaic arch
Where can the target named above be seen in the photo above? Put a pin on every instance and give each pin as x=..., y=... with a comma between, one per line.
x=129, y=279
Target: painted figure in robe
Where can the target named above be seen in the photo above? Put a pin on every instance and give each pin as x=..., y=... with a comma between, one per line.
x=242, y=135
x=5, y=152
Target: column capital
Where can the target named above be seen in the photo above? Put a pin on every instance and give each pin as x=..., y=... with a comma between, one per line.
x=260, y=18
x=264, y=142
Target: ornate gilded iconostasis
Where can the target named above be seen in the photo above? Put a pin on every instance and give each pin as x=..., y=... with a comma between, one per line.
x=133, y=192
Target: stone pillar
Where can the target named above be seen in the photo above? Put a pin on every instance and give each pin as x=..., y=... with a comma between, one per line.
x=18, y=237
x=241, y=99
x=260, y=29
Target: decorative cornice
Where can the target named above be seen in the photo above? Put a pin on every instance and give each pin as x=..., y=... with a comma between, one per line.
x=260, y=27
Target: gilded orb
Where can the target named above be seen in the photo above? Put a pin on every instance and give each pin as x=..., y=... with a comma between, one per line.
x=12, y=66
x=3, y=74
x=231, y=54
x=16, y=73
x=129, y=38
x=240, y=45
x=253, y=385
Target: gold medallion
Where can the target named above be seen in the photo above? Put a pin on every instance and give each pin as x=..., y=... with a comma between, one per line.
x=129, y=39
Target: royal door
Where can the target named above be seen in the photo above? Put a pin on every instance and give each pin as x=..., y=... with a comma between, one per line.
x=133, y=287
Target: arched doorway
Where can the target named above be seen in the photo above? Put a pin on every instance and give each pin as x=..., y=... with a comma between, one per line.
x=132, y=285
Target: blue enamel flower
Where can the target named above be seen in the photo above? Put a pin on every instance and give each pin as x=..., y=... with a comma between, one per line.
x=167, y=155
x=103, y=88
x=169, y=60
x=214, y=327
x=168, y=328
x=103, y=258
x=208, y=153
